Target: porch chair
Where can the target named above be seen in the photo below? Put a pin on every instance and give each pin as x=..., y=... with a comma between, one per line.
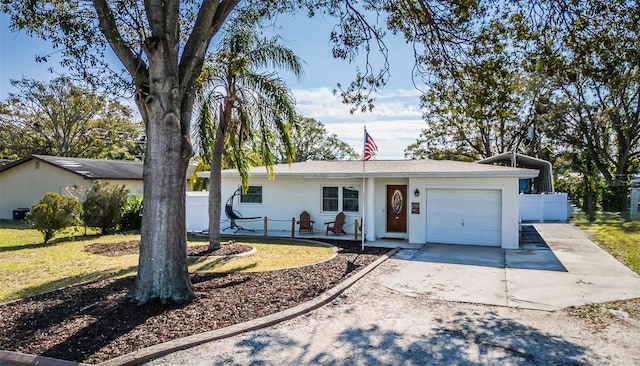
x=338, y=224
x=305, y=222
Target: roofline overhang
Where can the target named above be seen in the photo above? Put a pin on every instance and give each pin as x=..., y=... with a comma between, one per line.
x=521, y=173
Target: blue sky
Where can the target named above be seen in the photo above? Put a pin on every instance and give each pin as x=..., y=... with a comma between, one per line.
x=394, y=123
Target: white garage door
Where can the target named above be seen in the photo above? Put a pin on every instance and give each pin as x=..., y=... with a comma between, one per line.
x=471, y=217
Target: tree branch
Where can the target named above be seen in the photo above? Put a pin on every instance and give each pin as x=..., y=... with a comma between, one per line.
x=132, y=62
x=210, y=18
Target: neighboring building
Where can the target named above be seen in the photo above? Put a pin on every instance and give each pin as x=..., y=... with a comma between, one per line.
x=416, y=200
x=25, y=181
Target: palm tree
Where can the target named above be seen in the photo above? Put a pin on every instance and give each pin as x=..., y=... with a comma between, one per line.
x=247, y=106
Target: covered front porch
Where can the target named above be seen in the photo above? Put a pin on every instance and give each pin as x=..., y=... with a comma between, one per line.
x=317, y=236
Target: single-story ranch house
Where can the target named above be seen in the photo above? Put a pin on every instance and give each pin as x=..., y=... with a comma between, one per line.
x=25, y=181
x=420, y=201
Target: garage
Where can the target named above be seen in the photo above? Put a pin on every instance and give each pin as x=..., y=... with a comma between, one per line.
x=464, y=216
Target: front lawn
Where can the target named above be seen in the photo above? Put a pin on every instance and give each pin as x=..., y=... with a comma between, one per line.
x=28, y=267
x=621, y=239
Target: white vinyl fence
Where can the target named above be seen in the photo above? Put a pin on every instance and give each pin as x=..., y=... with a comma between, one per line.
x=544, y=207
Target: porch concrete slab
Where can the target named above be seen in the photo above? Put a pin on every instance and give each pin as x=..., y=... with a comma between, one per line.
x=453, y=282
x=392, y=243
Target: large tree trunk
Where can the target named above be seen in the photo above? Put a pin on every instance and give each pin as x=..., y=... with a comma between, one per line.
x=162, y=268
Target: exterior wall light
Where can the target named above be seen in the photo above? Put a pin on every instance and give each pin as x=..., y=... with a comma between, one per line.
x=416, y=192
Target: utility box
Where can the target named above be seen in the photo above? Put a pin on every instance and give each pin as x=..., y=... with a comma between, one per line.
x=20, y=213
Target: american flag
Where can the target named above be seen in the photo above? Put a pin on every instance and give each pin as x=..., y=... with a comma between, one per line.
x=369, y=145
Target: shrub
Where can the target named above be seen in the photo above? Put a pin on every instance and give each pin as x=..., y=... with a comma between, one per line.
x=132, y=214
x=103, y=205
x=54, y=213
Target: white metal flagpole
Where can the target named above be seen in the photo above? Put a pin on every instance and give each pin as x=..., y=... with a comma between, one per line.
x=369, y=146
x=364, y=192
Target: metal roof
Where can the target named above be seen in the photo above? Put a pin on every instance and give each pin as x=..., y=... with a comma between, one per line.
x=542, y=183
x=386, y=169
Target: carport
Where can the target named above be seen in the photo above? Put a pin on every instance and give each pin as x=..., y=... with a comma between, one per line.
x=543, y=183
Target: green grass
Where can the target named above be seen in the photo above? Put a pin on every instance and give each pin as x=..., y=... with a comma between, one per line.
x=28, y=267
x=616, y=236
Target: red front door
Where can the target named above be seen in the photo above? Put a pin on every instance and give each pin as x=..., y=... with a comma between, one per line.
x=397, y=209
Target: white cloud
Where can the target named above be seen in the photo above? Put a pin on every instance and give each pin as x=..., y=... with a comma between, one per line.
x=392, y=137
x=394, y=123
x=321, y=104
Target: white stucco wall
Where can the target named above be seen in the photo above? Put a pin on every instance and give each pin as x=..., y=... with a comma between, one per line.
x=285, y=198
x=26, y=183
x=510, y=204
x=136, y=187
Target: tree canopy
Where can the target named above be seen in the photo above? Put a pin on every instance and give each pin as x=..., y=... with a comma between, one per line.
x=60, y=118
x=556, y=80
x=312, y=141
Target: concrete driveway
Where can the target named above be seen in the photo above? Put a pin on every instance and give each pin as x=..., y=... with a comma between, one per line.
x=556, y=266
x=393, y=315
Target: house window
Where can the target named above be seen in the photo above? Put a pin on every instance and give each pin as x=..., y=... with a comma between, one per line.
x=349, y=199
x=330, y=199
x=336, y=199
x=253, y=195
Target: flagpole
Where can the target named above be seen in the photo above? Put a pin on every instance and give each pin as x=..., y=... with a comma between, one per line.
x=369, y=146
x=364, y=189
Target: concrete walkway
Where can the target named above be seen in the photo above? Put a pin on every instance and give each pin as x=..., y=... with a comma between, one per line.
x=556, y=266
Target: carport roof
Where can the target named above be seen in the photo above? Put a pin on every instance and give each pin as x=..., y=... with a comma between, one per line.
x=387, y=169
x=88, y=168
x=544, y=181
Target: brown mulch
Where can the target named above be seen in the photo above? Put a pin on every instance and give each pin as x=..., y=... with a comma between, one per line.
x=93, y=322
x=133, y=246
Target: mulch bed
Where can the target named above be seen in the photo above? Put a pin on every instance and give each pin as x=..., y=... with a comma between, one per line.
x=93, y=323
x=133, y=246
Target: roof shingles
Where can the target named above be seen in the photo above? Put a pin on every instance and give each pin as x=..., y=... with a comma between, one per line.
x=89, y=168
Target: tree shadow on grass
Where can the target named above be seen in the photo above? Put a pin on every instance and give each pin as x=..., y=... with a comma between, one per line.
x=50, y=243
x=467, y=339
x=217, y=262
x=14, y=248
x=73, y=280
